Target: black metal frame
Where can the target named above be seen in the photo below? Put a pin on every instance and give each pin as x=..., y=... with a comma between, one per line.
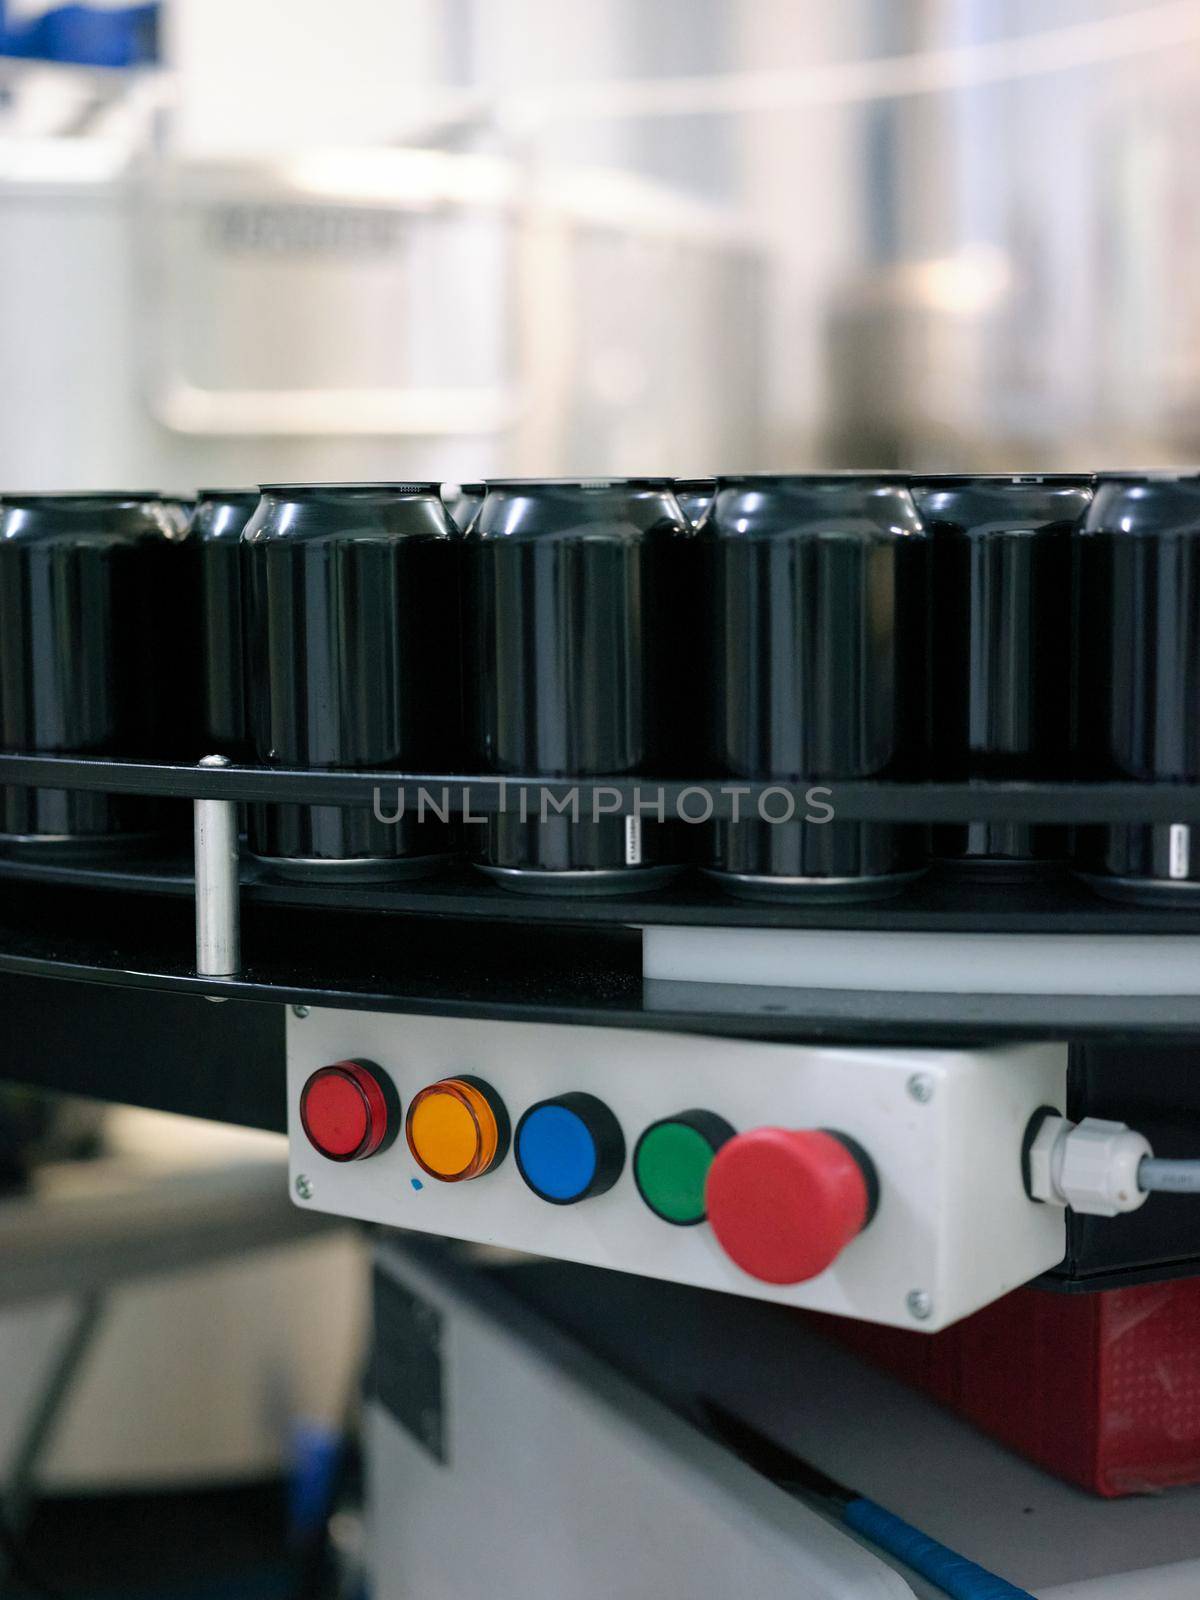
x=139, y=1026
x=458, y=945
x=174, y=1051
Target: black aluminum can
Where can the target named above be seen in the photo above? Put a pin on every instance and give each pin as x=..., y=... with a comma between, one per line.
x=97, y=656
x=1001, y=557
x=462, y=501
x=352, y=622
x=694, y=495
x=577, y=621
x=216, y=529
x=816, y=636
x=1137, y=566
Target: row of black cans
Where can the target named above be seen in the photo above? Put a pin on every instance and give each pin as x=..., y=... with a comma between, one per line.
x=793, y=629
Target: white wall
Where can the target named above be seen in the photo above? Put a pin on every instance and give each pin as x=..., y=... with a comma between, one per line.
x=801, y=182
x=260, y=76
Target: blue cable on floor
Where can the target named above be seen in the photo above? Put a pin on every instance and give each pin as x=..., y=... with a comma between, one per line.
x=954, y=1574
x=960, y=1578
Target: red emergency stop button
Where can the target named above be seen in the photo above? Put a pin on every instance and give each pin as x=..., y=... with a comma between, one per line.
x=348, y=1110
x=784, y=1203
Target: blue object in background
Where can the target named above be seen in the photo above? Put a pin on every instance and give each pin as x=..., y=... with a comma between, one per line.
x=85, y=36
x=315, y=1458
x=961, y=1579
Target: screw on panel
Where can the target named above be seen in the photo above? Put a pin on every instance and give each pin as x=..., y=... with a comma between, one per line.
x=300, y=1012
x=920, y=1304
x=920, y=1088
x=304, y=1188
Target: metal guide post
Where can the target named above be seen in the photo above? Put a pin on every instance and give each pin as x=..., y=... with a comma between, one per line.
x=218, y=941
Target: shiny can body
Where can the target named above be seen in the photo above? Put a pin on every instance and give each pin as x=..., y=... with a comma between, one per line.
x=462, y=501
x=352, y=629
x=1001, y=581
x=577, y=621
x=1137, y=689
x=816, y=642
x=694, y=495
x=97, y=654
x=216, y=530
x=179, y=511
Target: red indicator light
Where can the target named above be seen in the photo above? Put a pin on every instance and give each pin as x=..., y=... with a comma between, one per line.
x=344, y=1110
x=784, y=1203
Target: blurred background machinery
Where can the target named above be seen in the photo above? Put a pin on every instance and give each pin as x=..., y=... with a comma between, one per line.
x=450, y=236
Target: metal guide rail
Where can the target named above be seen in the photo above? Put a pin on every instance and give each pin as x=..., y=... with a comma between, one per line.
x=859, y=799
x=455, y=943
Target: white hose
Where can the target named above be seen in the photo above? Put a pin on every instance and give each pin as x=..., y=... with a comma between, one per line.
x=1170, y=1177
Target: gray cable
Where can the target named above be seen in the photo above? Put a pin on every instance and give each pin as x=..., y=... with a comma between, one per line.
x=1173, y=1177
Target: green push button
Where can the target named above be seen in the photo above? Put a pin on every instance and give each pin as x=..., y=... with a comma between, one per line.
x=671, y=1162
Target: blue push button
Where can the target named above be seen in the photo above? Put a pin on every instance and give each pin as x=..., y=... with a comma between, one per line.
x=569, y=1148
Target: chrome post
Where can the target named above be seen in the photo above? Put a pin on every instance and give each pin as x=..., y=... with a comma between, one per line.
x=218, y=940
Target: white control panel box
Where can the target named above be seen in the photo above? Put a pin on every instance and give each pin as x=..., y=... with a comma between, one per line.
x=942, y=1131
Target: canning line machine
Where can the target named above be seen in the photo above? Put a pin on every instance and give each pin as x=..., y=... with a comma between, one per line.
x=784, y=1124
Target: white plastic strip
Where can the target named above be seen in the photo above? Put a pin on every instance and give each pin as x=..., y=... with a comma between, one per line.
x=927, y=963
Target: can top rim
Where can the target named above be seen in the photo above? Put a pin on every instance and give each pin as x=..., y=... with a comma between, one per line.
x=1151, y=475
x=898, y=480
x=664, y=484
x=399, y=488
x=1009, y=480
x=243, y=493
x=84, y=496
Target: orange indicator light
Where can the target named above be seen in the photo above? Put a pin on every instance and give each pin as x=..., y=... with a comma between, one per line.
x=457, y=1129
